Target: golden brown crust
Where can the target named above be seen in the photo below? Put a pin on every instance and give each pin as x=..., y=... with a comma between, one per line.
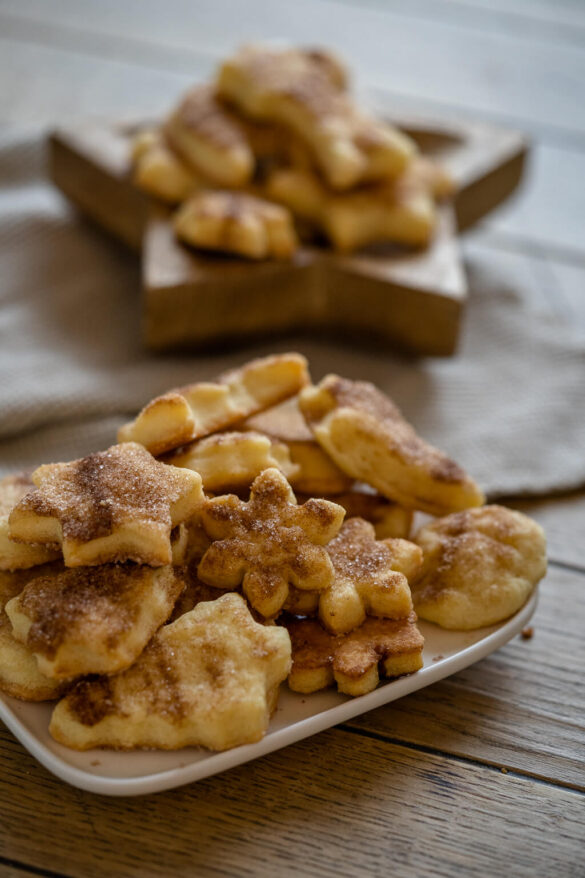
x=91, y=620
x=196, y=410
x=365, y=580
x=353, y=658
x=291, y=88
x=480, y=566
x=19, y=673
x=367, y=436
x=210, y=138
x=13, y=555
x=209, y=679
x=231, y=461
x=402, y=210
x=269, y=542
x=114, y=505
x=237, y=223
x=317, y=474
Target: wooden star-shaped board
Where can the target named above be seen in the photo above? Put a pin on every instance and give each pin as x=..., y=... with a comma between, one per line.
x=412, y=299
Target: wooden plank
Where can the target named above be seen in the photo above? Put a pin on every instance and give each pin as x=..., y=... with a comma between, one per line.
x=335, y=805
x=489, y=77
x=548, y=210
x=519, y=707
x=563, y=518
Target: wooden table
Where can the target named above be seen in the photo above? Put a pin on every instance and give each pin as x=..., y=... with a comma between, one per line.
x=482, y=774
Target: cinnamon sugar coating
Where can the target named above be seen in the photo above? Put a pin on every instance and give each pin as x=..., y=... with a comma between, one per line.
x=269, y=542
x=366, y=580
x=209, y=679
x=13, y=555
x=19, y=672
x=480, y=566
x=355, y=660
x=210, y=138
x=114, y=505
x=92, y=620
x=368, y=438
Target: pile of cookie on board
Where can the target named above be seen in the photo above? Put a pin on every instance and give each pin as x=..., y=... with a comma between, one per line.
x=243, y=533
x=276, y=144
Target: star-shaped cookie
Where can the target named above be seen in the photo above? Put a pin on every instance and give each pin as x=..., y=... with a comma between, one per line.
x=210, y=679
x=269, y=542
x=114, y=505
x=92, y=620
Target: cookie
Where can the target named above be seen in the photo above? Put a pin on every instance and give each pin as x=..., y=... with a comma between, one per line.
x=210, y=139
x=480, y=566
x=160, y=172
x=188, y=413
x=232, y=460
x=367, y=436
x=210, y=679
x=269, y=543
x=19, y=671
x=236, y=223
x=288, y=88
x=365, y=582
x=353, y=661
x=317, y=475
x=372, y=577
x=13, y=555
x=114, y=505
x=92, y=620
x=400, y=211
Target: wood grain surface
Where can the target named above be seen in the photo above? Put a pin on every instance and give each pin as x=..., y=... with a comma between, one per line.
x=482, y=774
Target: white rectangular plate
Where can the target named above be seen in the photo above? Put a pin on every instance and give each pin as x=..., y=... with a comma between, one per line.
x=298, y=716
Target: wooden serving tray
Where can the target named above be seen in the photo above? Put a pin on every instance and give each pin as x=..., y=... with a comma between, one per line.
x=411, y=299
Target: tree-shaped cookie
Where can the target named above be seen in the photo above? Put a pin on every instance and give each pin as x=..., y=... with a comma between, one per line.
x=366, y=578
x=354, y=660
x=115, y=505
x=210, y=679
x=269, y=542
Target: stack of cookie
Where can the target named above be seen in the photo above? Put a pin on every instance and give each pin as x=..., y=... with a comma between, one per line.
x=242, y=532
x=277, y=145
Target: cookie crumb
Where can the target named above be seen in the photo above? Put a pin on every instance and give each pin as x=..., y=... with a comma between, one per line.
x=438, y=658
x=504, y=770
x=527, y=633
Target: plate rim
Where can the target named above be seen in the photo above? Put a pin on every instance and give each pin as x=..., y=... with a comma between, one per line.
x=222, y=761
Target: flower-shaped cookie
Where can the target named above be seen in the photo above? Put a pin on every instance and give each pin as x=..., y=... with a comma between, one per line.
x=366, y=579
x=115, y=505
x=269, y=542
